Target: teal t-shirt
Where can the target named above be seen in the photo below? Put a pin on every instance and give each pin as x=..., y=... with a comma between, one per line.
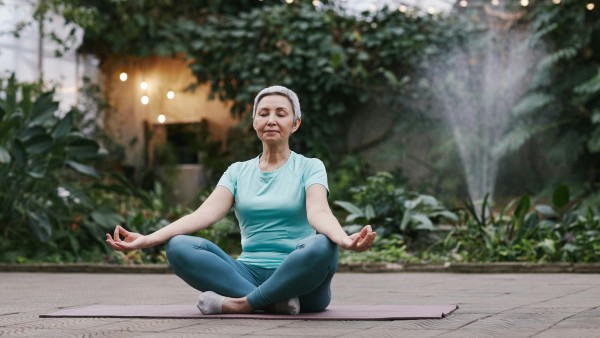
x=271, y=206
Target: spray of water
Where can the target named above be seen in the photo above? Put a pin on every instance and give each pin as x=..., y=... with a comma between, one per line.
x=476, y=85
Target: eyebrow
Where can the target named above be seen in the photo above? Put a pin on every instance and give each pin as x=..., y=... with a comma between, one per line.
x=277, y=108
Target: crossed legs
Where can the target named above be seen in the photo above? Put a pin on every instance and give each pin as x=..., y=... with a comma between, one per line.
x=306, y=273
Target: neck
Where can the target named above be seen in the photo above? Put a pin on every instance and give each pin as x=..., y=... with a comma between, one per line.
x=274, y=157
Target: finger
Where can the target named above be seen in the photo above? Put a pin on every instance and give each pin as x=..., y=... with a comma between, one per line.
x=123, y=231
x=367, y=242
x=355, y=241
x=370, y=240
x=116, y=234
x=112, y=243
x=364, y=231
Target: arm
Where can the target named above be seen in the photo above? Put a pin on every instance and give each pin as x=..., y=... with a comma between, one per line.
x=322, y=219
x=216, y=206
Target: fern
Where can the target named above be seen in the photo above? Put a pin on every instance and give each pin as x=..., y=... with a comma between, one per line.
x=532, y=103
x=561, y=54
x=515, y=139
x=539, y=34
x=592, y=86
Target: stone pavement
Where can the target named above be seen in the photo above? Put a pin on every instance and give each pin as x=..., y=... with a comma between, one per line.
x=497, y=305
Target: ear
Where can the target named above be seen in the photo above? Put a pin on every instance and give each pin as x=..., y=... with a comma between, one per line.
x=296, y=125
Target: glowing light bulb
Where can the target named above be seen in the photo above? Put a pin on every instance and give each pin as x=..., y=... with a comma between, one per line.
x=431, y=10
x=170, y=95
x=556, y=2
x=495, y=2
x=289, y=1
x=316, y=3
x=524, y=3
x=144, y=85
x=402, y=8
x=463, y=3
x=123, y=76
x=590, y=6
x=145, y=99
x=161, y=118
x=373, y=7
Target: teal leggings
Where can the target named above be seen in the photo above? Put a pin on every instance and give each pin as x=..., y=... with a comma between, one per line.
x=305, y=273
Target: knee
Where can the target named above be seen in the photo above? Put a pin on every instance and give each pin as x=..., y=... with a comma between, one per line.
x=175, y=246
x=319, y=248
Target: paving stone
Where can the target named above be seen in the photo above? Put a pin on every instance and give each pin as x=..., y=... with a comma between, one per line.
x=562, y=333
x=506, y=305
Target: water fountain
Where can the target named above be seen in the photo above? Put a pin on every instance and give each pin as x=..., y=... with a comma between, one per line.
x=477, y=83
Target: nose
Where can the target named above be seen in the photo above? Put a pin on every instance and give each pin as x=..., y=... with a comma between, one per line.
x=271, y=120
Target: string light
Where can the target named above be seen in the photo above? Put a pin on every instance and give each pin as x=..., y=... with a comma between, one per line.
x=431, y=10
x=145, y=99
x=556, y=2
x=316, y=3
x=170, y=95
x=463, y=3
x=590, y=6
x=496, y=2
x=524, y=3
x=161, y=118
x=402, y=8
x=123, y=76
x=144, y=85
x=289, y=1
x=373, y=7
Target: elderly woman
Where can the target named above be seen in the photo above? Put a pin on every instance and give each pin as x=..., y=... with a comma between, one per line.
x=280, y=201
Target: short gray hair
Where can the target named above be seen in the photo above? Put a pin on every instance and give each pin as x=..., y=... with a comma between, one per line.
x=279, y=90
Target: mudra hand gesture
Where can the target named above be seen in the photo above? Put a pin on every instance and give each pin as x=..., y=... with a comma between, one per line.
x=360, y=241
x=130, y=241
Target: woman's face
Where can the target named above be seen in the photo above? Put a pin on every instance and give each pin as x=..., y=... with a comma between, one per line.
x=274, y=119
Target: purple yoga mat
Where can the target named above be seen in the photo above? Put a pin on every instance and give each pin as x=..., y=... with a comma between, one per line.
x=333, y=312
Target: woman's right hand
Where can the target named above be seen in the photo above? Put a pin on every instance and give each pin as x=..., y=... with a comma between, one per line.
x=131, y=240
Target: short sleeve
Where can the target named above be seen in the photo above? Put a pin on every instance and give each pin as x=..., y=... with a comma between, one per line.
x=229, y=178
x=315, y=174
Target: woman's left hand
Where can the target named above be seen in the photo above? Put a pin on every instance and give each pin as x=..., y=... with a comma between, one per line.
x=360, y=241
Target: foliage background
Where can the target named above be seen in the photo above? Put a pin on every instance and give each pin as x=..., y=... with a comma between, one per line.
x=344, y=65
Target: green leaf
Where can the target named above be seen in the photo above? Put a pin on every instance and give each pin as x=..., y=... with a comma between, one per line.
x=592, y=86
x=369, y=212
x=107, y=218
x=423, y=222
x=64, y=126
x=449, y=215
x=546, y=211
x=39, y=144
x=351, y=208
x=39, y=224
x=522, y=207
x=9, y=125
x=515, y=139
x=561, y=54
x=43, y=109
x=4, y=155
x=531, y=103
x=561, y=196
x=82, y=149
x=19, y=153
x=548, y=246
x=82, y=168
